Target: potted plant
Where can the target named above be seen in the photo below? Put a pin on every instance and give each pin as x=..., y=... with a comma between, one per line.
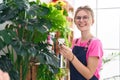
x=24, y=40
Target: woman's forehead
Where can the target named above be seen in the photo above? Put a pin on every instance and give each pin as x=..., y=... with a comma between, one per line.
x=83, y=12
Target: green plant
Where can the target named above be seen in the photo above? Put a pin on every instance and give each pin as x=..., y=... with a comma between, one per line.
x=25, y=39
x=110, y=57
x=59, y=73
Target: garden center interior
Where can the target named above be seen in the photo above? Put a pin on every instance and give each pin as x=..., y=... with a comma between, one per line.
x=106, y=27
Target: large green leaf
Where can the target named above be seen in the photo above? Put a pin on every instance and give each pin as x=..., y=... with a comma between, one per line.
x=22, y=4
x=2, y=6
x=19, y=47
x=2, y=44
x=5, y=36
x=46, y=55
x=33, y=10
x=7, y=12
x=46, y=24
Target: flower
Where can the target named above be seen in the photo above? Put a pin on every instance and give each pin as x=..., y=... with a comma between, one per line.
x=60, y=5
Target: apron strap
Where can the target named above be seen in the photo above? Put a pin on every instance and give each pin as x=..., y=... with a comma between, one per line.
x=88, y=43
x=76, y=41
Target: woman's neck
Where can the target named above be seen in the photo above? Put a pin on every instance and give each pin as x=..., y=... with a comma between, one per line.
x=86, y=36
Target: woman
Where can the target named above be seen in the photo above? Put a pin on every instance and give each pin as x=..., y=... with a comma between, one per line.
x=86, y=54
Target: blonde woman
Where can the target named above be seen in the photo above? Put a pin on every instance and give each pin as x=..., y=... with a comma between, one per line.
x=85, y=57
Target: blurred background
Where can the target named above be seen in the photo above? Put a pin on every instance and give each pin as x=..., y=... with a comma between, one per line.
x=106, y=28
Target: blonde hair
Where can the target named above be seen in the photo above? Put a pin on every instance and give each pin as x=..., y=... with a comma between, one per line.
x=85, y=8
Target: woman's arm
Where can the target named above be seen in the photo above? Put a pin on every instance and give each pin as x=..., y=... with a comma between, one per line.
x=87, y=71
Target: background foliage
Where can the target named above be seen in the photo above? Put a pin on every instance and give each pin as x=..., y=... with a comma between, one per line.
x=24, y=40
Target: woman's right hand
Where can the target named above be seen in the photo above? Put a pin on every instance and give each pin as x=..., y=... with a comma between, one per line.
x=66, y=52
x=4, y=75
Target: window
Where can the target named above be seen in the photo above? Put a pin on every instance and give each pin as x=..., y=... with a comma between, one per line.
x=108, y=25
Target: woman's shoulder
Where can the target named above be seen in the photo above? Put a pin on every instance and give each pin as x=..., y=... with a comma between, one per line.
x=75, y=41
x=96, y=41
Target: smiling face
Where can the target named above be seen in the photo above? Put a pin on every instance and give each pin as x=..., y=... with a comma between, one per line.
x=83, y=19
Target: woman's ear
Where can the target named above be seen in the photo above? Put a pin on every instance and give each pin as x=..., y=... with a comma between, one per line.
x=92, y=21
